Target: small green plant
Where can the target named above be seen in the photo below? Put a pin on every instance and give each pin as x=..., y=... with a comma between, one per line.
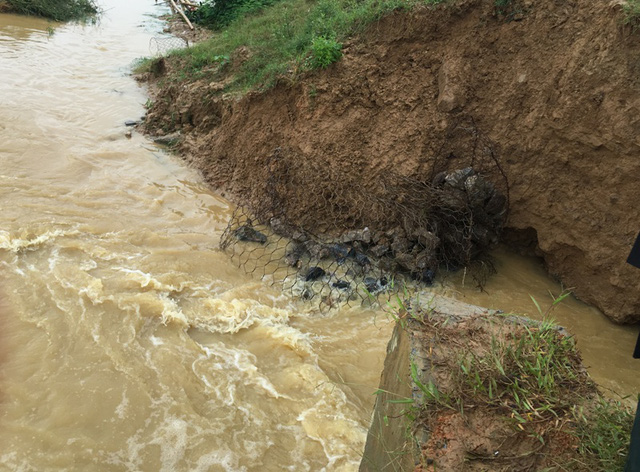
x=510, y=10
x=324, y=52
x=432, y=396
x=502, y=6
x=631, y=13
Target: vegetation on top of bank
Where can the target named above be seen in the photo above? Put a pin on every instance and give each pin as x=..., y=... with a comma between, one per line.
x=265, y=40
x=57, y=10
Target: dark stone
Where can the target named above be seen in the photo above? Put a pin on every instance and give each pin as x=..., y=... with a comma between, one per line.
x=340, y=252
x=425, y=260
x=293, y=255
x=362, y=260
x=440, y=179
x=131, y=123
x=478, y=190
x=406, y=261
x=496, y=204
x=453, y=199
x=373, y=285
x=167, y=140
x=378, y=237
x=379, y=250
x=287, y=230
x=317, y=250
x=427, y=276
x=362, y=235
x=458, y=178
x=248, y=233
x=341, y=284
x=300, y=236
x=400, y=244
x=482, y=236
x=314, y=273
x=280, y=227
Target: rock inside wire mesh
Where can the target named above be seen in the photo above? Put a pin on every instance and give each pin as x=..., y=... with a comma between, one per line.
x=449, y=222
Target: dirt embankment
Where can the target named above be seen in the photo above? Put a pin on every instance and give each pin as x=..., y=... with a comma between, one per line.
x=552, y=89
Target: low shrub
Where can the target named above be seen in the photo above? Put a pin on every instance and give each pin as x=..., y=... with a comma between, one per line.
x=220, y=13
x=324, y=52
x=57, y=10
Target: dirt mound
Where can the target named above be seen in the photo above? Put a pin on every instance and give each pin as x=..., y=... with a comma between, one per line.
x=551, y=89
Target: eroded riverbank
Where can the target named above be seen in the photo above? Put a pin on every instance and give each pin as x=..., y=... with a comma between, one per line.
x=442, y=88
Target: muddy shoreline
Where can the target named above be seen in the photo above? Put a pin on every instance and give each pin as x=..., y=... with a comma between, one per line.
x=433, y=89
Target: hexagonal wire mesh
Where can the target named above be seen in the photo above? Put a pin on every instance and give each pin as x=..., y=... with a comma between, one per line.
x=161, y=45
x=326, y=239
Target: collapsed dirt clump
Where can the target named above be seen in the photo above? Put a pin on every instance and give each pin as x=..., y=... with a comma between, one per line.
x=506, y=393
x=552, y=85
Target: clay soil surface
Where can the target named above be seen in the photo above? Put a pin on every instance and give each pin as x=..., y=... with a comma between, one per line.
x=548, y=90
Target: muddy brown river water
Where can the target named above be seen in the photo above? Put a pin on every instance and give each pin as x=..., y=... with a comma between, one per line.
x=127, y=340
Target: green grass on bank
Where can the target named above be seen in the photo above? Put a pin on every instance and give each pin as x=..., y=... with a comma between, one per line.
x=57, y=10
x=286, y=38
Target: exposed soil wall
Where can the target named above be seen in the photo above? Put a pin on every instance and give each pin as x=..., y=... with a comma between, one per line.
x=552, y=88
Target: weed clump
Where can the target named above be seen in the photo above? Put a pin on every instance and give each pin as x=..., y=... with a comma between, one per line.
x=325, y=52
x=533, y=370
x=57, y=10
x=221, y=13
x=631, y=13
x=603, y=432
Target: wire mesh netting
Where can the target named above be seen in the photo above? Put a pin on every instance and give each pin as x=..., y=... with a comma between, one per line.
x=326, y=238
x=162, y=45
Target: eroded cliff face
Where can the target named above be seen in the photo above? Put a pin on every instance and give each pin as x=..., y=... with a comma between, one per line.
x=550, y=90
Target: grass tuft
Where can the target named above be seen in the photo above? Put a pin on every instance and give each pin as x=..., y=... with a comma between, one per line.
x=604, y=432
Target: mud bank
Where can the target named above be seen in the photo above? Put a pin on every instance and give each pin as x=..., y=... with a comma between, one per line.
x=549, y=91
